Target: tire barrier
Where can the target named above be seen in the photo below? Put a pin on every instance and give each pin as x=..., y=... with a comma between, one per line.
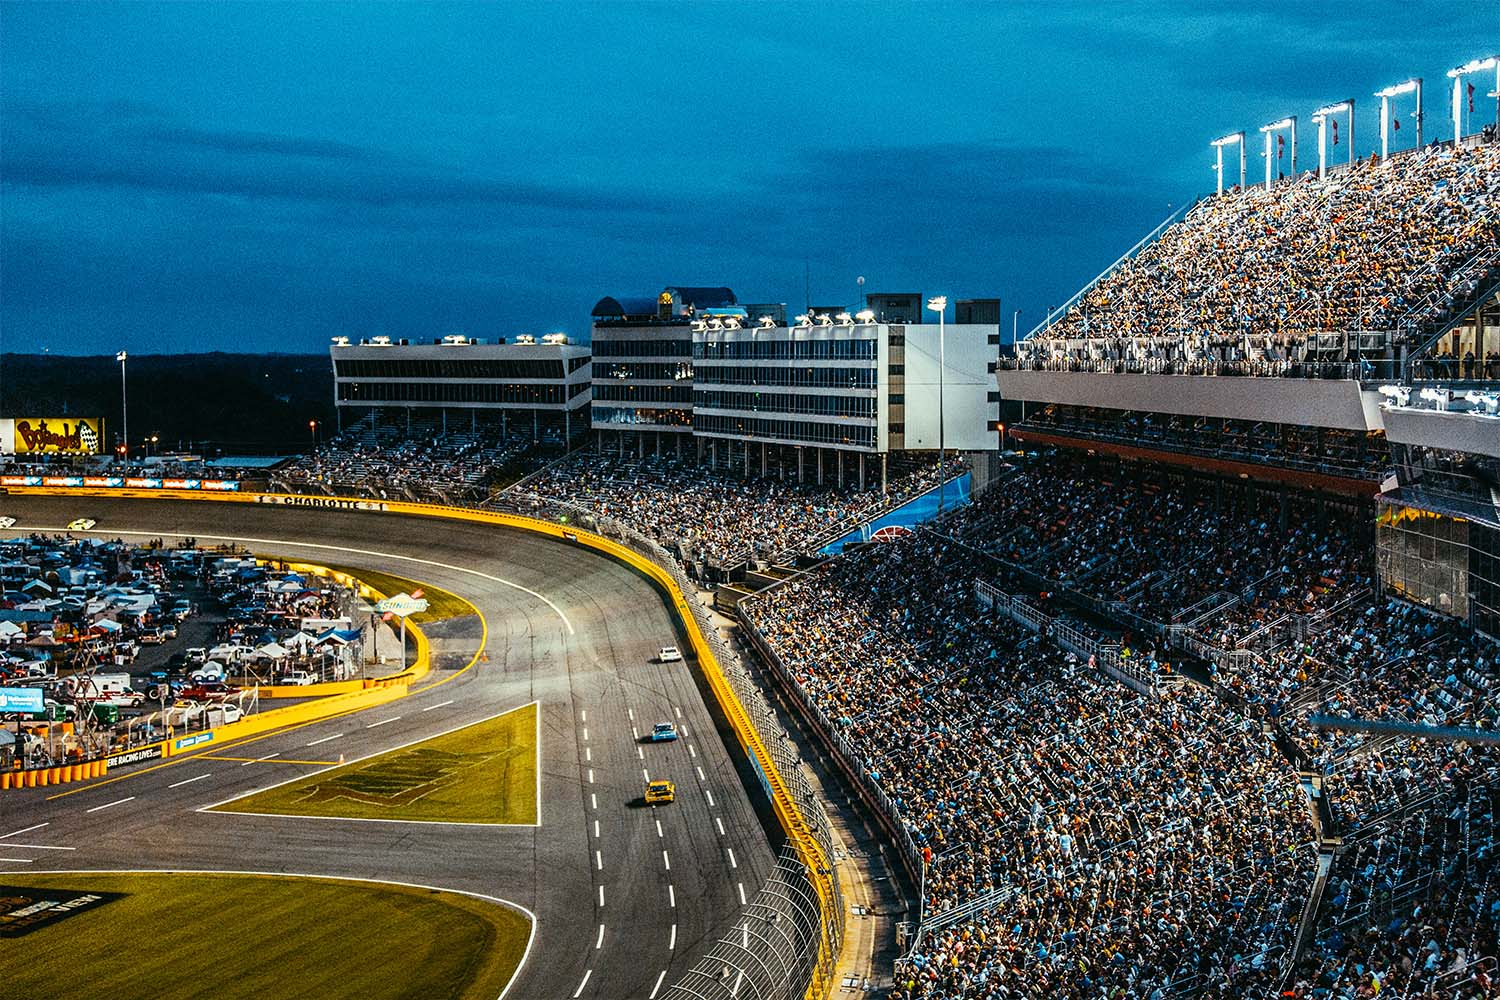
x=62, y=774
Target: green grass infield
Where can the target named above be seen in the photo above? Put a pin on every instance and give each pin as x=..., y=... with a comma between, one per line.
x=484, y=773
x=147, y=936
x=440, y=603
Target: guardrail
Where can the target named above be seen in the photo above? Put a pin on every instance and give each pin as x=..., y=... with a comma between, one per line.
x=802, y=891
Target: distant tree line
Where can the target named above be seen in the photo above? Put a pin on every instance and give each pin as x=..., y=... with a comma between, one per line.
x=216, y=403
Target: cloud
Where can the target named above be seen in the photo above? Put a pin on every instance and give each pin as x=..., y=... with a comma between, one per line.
x=131, y=147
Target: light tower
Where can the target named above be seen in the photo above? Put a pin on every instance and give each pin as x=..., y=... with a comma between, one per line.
x=1457, y=74
x=1385, y=96
x=1219, y=144
x=1270, y=131
x=1321, y=116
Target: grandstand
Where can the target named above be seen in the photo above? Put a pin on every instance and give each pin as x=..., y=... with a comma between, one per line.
x=1198, y=698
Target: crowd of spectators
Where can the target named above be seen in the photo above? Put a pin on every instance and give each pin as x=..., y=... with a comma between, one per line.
x=711, y=516
x=1125, y=843
x=433, y=465
x=1038, y=790
x=1245, y=281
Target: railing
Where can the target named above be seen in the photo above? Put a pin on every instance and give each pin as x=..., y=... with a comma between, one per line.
x=1146, y=240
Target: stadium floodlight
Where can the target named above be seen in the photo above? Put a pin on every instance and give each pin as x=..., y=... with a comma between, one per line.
x=1219, y=144
x=1271, y=133
x=1385, y=94
x=1399, y=395
x=699, y=325
x=340, y=341
x=767, y=322
x=526, y=339
x=866, y=317
x=381, y=341
x=731, y=322
x=939, y=305
x=1437, y=397
x=844, y=319
x=1489, y=400
x=1457, y=74
x=804, y=321
x=1321, y=116
x=455, y=339
x=555, y=338
x=824, y=319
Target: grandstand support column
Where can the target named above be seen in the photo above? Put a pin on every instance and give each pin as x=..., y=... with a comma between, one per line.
x=1281, y=513
x=408, y=421
x=841, y=468
x=820, y=466
x=883, y=489
x=747, y=459
x=640, y=444
x=536, y=427
x=567, y=428
x=473, y=421
x=861, y=472
x=800, y=478
x=444, y=412
x=658, y=444
x=764, y=450
x=505, y=423
x=713, y=453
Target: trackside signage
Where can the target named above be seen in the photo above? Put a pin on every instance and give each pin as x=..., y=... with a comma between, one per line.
x=197, y=739
x=24, y=909
x=333, y=503
x=153, y=752
x=130, y=482
x=26, y=701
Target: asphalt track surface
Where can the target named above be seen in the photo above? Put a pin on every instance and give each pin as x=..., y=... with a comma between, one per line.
x=626, y=897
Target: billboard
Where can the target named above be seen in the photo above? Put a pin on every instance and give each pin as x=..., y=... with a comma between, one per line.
x=51, y=435
x=25, y=701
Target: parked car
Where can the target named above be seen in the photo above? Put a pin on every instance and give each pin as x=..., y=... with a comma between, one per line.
x=669, y=654
x=297, y=678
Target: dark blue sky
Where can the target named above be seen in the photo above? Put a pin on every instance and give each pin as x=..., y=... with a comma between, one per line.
x=261, y=177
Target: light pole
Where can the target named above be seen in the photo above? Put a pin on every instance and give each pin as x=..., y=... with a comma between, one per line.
x=124, y=408
x=1269, y=131
x=1219, y=144
x=1321, y=116
x=1457, y=74
x=939, y=304
x=1385, y=96
x=312, y=429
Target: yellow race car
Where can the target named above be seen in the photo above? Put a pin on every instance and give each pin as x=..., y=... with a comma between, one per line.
x=660, y=792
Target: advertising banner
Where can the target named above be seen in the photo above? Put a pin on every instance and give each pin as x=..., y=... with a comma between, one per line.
x=26, y=701
x=136, y=756
x=332, y=503
x=54, y=436
x=20, y=480
x=137, y=483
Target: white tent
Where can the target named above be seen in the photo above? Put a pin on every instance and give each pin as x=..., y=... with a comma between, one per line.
x=274, y=650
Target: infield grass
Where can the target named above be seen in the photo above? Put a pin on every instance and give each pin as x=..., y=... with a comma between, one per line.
x=484, y=773
x=249, y=936
x=440, y=603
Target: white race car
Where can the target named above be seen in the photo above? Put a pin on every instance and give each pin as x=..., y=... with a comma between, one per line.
x=81, y=524
x=7, y=522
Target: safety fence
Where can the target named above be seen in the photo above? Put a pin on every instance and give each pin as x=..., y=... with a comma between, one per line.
x=787, y=941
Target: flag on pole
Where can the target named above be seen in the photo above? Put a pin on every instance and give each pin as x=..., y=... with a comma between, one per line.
x=1396, y=124
x=1471, y=97
x=1280, y=143
x=1335, y=132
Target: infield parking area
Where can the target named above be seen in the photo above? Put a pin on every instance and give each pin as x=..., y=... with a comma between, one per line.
x=140, y=936
x=484, y=773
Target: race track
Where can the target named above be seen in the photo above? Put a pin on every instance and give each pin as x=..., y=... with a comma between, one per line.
x=626, y=897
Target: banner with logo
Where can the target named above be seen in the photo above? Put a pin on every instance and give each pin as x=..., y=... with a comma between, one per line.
x=52, y=436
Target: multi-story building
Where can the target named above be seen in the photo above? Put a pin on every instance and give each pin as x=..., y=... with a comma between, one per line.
x=643, y=366
x=540, y=385
x=829, y=400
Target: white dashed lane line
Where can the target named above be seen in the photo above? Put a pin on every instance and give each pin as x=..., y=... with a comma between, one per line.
x=596, y=829
x=579, y=992
x=26, y=830
x=666, y=861
x=383, y=722
x=325, y=739
x=16, y=861
x=708, y=795
x=189, y=781
x=599, y=941
x=598, y=861
x=593, y=801
x=657, y=988
x=677, y=710
x=259, y=760
x=659, y=832
x=630, y=712
x=701, y=776
x=732, y=863
x=38, y=847
x=128, y=798
x=441, y=704
x=741, y=887
x=601, y=897
x=672, y=941
x=671, y=895
x=719, y=823
x=588, y=755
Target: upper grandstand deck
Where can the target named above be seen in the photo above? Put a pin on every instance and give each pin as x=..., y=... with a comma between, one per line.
x=1387, y=270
